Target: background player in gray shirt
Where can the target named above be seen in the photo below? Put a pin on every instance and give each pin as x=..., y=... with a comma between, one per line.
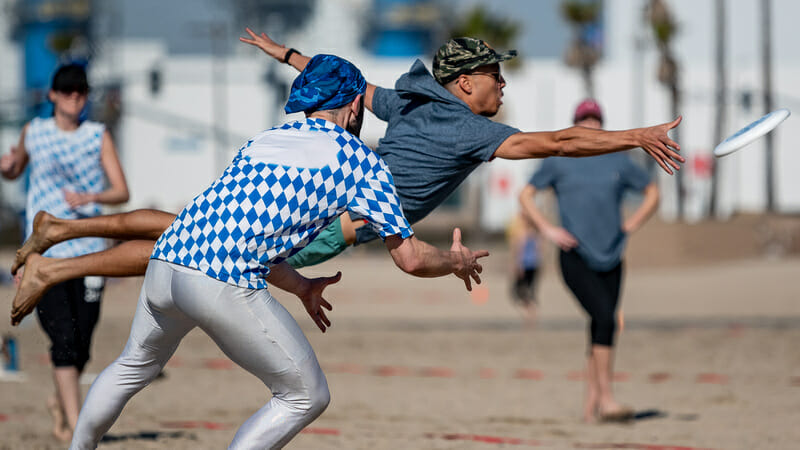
x=592, y=238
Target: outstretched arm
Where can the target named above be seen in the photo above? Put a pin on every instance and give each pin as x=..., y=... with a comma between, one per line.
x=644, y=211
x=296, y=60
x=558, y=235
x=582, y=141
x=421, y=259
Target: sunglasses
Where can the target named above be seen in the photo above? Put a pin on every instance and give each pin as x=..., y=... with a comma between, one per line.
x=496, y=75
x=69, y=93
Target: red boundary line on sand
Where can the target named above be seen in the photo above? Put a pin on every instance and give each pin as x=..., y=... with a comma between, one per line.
x=322, y=431
x=501, y=440
x=483, y=438
x=536, y=443
x=193, y=424
x=197, y=424
x=448, y=372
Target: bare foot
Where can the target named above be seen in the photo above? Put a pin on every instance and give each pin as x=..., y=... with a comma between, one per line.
x=39, y=240
x=616, y=413
x=528, y=311
x=64, y=435
x=590, y=408
x=33, y=286
x=61, y=430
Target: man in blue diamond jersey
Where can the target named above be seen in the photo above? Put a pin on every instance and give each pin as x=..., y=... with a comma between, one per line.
x=210, y=268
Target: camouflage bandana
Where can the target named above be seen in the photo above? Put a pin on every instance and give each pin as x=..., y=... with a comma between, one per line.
x=461, y=55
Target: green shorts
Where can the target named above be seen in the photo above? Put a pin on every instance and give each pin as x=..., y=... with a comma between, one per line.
x=329, y=243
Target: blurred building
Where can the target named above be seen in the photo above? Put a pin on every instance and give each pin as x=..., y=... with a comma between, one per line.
x=183, y=110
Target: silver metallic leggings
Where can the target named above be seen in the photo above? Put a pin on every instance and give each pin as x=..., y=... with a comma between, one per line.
x=250, y=326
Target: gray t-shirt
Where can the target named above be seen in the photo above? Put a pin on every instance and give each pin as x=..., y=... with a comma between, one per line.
x=589, y=193
x=433, y=140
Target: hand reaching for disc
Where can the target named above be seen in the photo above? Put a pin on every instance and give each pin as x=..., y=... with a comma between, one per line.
x=656, y=142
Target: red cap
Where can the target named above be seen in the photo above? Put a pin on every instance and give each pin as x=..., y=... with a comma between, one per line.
x=588, y=108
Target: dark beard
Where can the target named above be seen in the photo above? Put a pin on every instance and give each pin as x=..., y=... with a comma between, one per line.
x=354, y=127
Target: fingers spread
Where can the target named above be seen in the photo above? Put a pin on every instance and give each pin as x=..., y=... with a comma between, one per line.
x=673, y=144
x=663, y=165
x=477, y=278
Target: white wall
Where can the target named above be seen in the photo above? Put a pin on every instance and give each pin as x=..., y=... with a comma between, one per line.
x=11, y=193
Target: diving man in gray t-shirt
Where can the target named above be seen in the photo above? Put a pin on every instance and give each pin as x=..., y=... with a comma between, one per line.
x=438, y=132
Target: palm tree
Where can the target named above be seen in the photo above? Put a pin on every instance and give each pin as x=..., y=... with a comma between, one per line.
x=582, y=53
x=766, y=68
x=720, y=104
x=664, y=30
x=481, y=24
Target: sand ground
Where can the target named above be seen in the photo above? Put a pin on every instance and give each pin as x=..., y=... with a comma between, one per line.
x=709, y=357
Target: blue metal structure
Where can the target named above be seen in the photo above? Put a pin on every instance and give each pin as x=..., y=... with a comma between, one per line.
x=46, y=29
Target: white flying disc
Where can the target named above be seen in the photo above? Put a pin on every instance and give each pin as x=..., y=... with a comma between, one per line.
x=751, y=132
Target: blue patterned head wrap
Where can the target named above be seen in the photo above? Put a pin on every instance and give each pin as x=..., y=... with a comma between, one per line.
x=327, y=82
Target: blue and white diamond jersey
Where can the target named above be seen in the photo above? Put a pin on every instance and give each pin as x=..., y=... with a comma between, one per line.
x=284, y=186
x=64, y=160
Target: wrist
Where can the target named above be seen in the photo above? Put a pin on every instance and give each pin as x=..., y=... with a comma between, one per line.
x=637, y=135
x=456, y=262
x=304, y=288
x=289, y=54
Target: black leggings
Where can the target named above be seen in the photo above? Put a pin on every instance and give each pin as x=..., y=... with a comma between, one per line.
x=597, y=292
x=69, y=320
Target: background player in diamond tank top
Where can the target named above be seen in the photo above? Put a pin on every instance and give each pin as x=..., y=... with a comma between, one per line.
x=74, y=169
x=209, y=268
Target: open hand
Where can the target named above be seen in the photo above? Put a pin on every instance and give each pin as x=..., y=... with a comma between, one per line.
x=470, y=268
x=8, y=162
x=266, y=44
x=655, y=141
x=314, y=302
x=76, y=199
x=561, y=237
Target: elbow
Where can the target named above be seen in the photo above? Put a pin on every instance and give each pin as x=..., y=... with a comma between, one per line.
x=560, y=144
x=525, y=195
x=410, y=265
x=564, y=147
x=123, y=197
